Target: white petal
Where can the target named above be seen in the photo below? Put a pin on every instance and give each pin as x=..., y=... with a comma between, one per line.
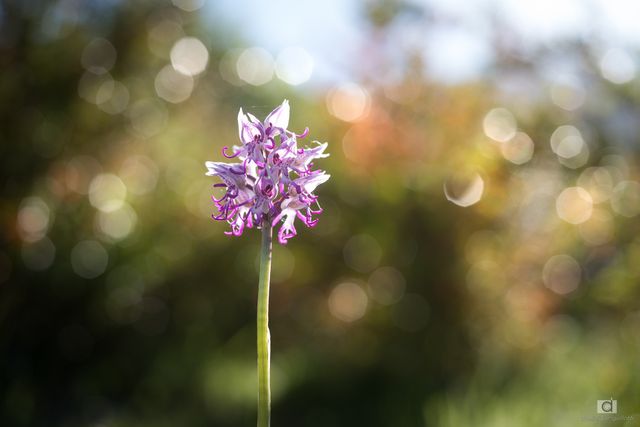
x=280, y=116
x=253, y=118
x=311, y=184
x=211, y=166
x=241, y=120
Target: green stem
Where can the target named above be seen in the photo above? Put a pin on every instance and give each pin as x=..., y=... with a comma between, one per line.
x=264, y=338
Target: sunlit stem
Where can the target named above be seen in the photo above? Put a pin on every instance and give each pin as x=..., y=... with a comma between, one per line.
x=264, y=338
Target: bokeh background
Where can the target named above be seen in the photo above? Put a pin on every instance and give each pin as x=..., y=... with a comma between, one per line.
x=477, y=263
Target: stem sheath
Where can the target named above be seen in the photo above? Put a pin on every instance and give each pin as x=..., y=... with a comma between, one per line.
x=264, y=337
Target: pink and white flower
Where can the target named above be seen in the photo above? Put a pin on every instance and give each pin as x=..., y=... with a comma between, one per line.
x=273, y=180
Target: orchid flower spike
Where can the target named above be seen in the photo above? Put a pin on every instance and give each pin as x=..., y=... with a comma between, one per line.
x=273, y=181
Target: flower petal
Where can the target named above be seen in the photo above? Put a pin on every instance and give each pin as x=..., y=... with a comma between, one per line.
x=246, y=130
x=307, y=155
x=279, y=117
x=241, y=121
x=310, y=182
x=213, y=168
x=287, y=229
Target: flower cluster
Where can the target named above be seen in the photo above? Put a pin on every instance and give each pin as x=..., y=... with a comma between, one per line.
x=273, y=180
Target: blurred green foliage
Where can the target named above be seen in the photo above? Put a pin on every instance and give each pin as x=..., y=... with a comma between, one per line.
x=123, y=304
